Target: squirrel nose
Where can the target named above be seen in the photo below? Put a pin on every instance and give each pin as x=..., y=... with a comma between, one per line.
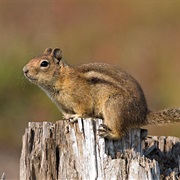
x=25, y=69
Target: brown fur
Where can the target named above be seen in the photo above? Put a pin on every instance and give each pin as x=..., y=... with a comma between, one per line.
x=95, y=90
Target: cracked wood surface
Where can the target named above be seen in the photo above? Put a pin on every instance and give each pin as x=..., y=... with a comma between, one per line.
x=73, y=151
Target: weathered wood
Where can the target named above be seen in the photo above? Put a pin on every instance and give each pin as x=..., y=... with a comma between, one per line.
x=3, y=176
x=73, y=151
x=38, y=158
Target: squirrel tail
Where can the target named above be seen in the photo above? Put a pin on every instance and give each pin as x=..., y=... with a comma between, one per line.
x=164, y=116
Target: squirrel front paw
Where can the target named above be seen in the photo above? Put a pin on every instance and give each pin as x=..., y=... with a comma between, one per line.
x=66, y=116
x=71, y=117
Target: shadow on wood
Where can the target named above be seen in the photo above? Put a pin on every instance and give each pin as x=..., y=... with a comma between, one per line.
x=73, y=151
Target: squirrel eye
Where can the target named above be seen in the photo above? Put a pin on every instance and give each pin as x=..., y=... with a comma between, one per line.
x=44, y=64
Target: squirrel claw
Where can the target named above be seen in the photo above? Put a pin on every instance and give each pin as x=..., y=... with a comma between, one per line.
x=73, y=120
x=103, y=130
x=66, y=116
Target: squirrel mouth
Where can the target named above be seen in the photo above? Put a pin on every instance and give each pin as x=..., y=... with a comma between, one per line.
x=30, y=78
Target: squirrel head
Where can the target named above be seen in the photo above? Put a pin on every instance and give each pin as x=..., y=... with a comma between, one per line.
x=43, y=70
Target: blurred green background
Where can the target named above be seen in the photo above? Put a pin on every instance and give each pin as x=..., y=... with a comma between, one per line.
x=141, y=37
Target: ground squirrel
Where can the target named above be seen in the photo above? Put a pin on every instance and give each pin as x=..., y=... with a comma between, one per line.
x=95, y=90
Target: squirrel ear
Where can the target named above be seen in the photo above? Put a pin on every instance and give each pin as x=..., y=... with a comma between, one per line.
x=47, y=51
x=57, y=53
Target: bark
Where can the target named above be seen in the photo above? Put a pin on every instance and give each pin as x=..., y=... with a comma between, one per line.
x=74, y=151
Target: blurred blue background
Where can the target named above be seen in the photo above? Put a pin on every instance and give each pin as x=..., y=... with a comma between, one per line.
x=141, y=37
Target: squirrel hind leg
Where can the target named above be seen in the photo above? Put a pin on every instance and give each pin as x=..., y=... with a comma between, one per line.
x=113, y=121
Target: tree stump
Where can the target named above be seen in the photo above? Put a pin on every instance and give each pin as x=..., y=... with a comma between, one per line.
x=74, y=151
